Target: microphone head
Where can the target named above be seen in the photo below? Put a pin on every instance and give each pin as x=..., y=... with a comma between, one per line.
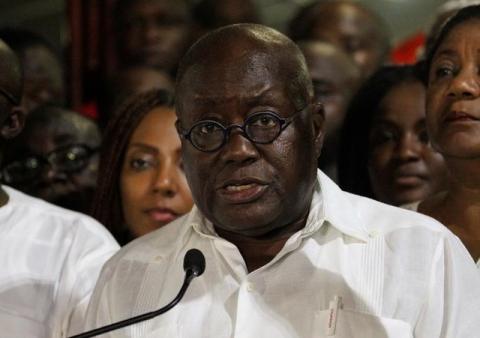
x=194, y=261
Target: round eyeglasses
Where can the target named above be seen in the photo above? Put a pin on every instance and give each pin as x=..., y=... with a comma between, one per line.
x=210, y=135
x=68, y=159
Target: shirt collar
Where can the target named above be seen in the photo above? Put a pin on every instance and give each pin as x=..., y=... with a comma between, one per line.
x=329, y=204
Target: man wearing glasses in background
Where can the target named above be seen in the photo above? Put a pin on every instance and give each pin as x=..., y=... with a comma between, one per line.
x=55, y=158
x=49, y=257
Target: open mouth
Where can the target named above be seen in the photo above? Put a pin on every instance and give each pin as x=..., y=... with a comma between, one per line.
x=243, y=191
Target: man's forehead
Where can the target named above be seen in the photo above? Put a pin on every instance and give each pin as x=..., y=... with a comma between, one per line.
x=61, y=127
x=235, y=63
x=208, y=95
x=254, y=76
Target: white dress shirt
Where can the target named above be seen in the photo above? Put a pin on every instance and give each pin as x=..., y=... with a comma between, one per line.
x=359, y=268
x=414, y=207
x=50, y=259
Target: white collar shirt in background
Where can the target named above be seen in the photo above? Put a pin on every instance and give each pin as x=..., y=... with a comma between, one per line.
x=359, y=268
x=50, y=259
x=414, y=207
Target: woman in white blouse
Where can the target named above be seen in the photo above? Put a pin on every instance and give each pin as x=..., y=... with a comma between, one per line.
x=453, y=121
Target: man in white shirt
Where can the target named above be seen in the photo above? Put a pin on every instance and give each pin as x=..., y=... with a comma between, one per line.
x=50, y=257
x=288, y=254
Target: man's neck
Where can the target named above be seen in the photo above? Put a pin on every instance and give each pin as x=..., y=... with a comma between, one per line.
x=259, y=251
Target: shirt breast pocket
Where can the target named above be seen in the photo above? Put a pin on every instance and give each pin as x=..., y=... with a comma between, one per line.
x=346, y=323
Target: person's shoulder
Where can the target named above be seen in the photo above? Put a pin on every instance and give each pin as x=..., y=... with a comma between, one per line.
x=160, y=243
x=374, y=216
x=23, y=209
x=387, y=218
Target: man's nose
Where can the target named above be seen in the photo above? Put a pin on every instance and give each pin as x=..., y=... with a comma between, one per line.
x=50, y=173
x=238, y=148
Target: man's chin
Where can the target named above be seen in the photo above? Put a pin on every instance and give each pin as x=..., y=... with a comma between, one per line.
x=250, y=225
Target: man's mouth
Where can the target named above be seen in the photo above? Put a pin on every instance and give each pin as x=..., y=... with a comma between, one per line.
x=242, y=191
x=241, y=187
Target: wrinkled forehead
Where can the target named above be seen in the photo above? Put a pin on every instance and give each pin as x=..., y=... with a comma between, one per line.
x=237, y=76
x=219, y=72
x=59, y=132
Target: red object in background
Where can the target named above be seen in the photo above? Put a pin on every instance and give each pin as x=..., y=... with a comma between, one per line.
x=89, y=109
x=91, y=53
x=409, y=50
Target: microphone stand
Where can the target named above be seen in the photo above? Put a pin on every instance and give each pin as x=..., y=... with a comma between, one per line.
x=189, y=275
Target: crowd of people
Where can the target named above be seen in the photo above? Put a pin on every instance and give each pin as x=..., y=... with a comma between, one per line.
x=331, y=190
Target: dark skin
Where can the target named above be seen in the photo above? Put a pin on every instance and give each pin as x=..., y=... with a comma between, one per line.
x=256, y=195
x=453, y=115
x=353, y=29
x=335, y=78
x=64, y=128
x=11, y=115
x=43, y=78
x=154, y=33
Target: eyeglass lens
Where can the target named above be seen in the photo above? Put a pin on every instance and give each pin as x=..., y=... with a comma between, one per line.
x=259, y=128
x=69, y=159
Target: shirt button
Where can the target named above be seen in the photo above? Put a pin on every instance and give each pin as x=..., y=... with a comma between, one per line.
x=250, y=287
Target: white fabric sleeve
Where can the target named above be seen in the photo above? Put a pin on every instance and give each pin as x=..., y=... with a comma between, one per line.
x=92, y=246
x=452, y=307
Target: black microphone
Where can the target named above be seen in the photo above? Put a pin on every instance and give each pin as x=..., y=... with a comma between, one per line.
x=194, y=266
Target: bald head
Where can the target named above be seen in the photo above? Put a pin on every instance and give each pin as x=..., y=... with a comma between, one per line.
x=11, y=79
x=60, y=123
x=232, y=51
x=325, y=59
x=352, y=27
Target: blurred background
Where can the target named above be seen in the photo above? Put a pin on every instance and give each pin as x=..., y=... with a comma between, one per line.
x=49, y=17
x=80, y=29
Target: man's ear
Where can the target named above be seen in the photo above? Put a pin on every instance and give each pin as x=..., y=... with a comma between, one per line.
x=13, y=124
x=318, y=120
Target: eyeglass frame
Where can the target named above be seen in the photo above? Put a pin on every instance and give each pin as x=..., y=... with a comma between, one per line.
x=45, y=159
x=284, y=123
